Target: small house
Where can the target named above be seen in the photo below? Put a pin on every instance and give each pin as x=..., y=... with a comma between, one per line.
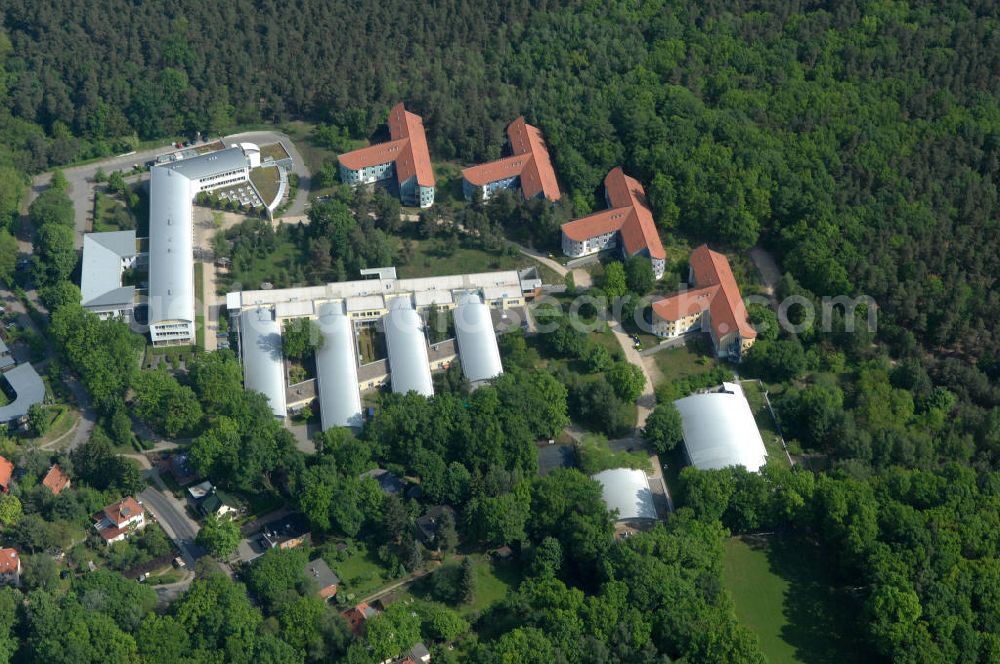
x=119, y=520
x=319, y=572
x=56, y=480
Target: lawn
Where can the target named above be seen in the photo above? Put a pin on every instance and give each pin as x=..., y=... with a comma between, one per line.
x=781, y=590
x=266, y=179
x=371, y=344
x=681, y=362
x=430, y=259
x=269, y=268
x=361, y=574
x=61, y=419
x=768, y=431
x=493, y=580
x=110, y=214
x=199, y=294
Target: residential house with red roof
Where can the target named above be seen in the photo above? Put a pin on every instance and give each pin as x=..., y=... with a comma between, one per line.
x=712, y=304
x=6, y=472
x=404, y=157
x=528, y=169
x=10, y=567
x=627, y=224
x=119, y=520
x=357, y=616
x=56, y=480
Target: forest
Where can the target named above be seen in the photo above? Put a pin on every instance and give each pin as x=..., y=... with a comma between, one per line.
x=858, y=141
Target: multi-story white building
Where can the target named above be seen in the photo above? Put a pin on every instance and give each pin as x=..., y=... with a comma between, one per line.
x=627, y=223
x=404, y=157
x=528, y=169
x=396, y=307
x=119, y=520
x=172, y=188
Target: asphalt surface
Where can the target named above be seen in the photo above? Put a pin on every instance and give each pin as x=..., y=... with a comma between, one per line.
x=170, y=514
x=81, y=178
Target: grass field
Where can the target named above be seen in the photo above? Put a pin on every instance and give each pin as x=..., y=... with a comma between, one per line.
x=361, y=573
x=781, y=591
x=493, y=580
x=681, y=362
x=768, y=431
x=110, y=214
x=429, y=259
x=275, y=151
x=199, y=294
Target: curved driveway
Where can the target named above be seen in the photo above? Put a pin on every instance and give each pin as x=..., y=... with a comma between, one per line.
x=81, y=178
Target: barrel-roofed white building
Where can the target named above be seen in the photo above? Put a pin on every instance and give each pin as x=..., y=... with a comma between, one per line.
x=407, y=349
x=172, y=188
x=477, y=340
x=337, y=369
x=260, y=347
x=626, y=491
x=720, y=430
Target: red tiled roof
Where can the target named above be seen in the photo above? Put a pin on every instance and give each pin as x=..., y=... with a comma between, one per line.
x=123, y=511
x=6, y=470
x=712, y=275
x=628, y=213
x=599, y=223
x=9, y=561
x=530, y=161
x=356, y=617
x=685, y=303
x=56, y=480
x=407, y=147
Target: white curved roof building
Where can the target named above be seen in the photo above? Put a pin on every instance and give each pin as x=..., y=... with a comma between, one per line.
x=407, y=347
x=627, y=491
x=260, y=346
x=172, y=187
x=337, y=369
x=477, y=341
x=720, y=430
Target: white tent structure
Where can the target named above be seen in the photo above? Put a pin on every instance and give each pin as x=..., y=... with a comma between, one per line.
x=337, y=369
x=477, y=340
x=263, y=367
x=720, y=430
x=627, y=491
x=407, y=348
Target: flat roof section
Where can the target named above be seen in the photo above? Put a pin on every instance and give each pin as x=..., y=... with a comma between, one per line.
x=28, y=389
x=263, y=367
x=404, y=338
x=337, y=369
x=477, y=341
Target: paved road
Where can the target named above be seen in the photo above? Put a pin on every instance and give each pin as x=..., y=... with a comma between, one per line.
x=81, y=178
x=172, y=517
x=298, y=206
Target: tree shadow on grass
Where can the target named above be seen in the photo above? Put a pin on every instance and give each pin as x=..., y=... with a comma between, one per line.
x=823, y=621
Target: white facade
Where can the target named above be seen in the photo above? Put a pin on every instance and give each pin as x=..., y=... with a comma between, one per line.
x=173, y=186
x=576, y=248
x=720, y=430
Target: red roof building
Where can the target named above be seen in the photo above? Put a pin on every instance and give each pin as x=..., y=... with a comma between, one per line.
x=528, y=168
x=6, y=472
x=713, y=304
x=118, y=520
x=10, y=566
x=627, y=223
x=56, y=480
x=405, y=156
x=357, y=616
